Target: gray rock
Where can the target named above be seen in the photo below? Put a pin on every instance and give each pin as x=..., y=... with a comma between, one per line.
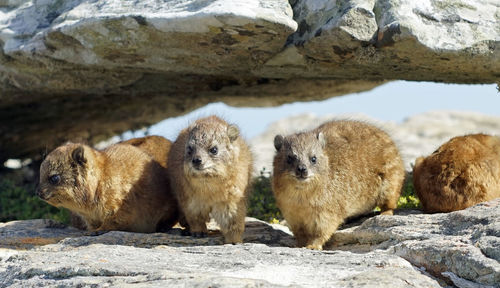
x=409, y=249
x=414, y=38
x=247, y=265
x=464, y=242
x=67, y=67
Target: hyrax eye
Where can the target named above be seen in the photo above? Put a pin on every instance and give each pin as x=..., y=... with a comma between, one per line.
x=313, y=159
x=190, y=150
x=290, y=159
x=213, y=150
x=55, y=179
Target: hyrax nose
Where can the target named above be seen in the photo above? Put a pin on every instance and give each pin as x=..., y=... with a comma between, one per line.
x=302, y=170
x=39, y=192
x=196, y=161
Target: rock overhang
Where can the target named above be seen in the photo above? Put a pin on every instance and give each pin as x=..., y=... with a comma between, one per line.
x=127, y=56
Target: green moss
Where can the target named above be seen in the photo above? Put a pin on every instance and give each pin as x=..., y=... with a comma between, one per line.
x=18, y=202
x=262, y=204
x=409, y=199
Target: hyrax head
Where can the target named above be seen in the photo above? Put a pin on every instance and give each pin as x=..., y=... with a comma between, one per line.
x=301, y=156
x=62, y=176
x=210, y=148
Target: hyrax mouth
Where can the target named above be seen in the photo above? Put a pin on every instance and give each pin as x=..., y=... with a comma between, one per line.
x=43, y=194
x=302, y=177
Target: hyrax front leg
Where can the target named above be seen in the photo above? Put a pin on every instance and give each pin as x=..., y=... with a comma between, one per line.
x=231, y=219
x=319, y=234
x=197, y=222
x=391, y=201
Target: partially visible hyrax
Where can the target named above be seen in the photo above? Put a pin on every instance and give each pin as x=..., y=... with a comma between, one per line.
x=122, y=187
x=338, y=170
x=155, y=146
x=209, y=169
x=462, y=172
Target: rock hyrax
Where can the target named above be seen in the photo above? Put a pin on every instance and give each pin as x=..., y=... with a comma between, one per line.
x=340, y=169
x=118, y=188
x=209, y=169
x=462, y=172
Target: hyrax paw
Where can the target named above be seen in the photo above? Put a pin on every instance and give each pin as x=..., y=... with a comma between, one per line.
x=315, y=247
x=199, y=234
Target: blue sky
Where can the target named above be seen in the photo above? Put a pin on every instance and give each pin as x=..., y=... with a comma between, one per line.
x=393, y=101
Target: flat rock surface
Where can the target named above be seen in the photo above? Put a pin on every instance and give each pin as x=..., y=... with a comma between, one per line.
x=409, y=249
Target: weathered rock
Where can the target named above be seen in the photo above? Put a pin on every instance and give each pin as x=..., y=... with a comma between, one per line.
x=431, y=40
x=383, y=251
x=120, y=258
x=248, y=265
x=30, y=233
x=464, y=242
x=67, y=67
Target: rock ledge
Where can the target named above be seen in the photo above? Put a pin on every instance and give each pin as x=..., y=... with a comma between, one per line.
x=406, y=250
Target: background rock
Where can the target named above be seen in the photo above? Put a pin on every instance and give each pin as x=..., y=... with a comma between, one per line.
x=67, y=67
x=406, y=250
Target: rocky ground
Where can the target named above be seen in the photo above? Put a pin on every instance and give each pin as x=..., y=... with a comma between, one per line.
x=409, y=249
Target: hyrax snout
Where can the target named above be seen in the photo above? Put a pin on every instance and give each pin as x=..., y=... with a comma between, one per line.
x=462, y=172
x=340, y=169
x=119, y=188
x=209, y=170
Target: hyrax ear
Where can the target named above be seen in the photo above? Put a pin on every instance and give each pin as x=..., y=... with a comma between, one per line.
x=78, y=155
x=233, y=132
x=321, y=139
x=278, y=142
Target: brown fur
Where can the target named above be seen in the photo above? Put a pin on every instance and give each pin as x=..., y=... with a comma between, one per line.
x=358, y=167
x=219, y=186
x=119, y=188
x=461, y=173
x=155, y=146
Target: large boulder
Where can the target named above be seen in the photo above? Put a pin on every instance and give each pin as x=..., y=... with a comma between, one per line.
x=84, y=70
x=409, y=249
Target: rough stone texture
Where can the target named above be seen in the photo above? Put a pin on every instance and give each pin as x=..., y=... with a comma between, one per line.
x=119, y=258
x=409, y=249
x=418, y=135
x=432, y=40
x=68, y=66
x=464, y=242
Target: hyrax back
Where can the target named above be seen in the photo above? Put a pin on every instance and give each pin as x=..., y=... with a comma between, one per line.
x=462, y=172
x=209, y=169
x=119, y=188
x=339, y=170
x=155, y=146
